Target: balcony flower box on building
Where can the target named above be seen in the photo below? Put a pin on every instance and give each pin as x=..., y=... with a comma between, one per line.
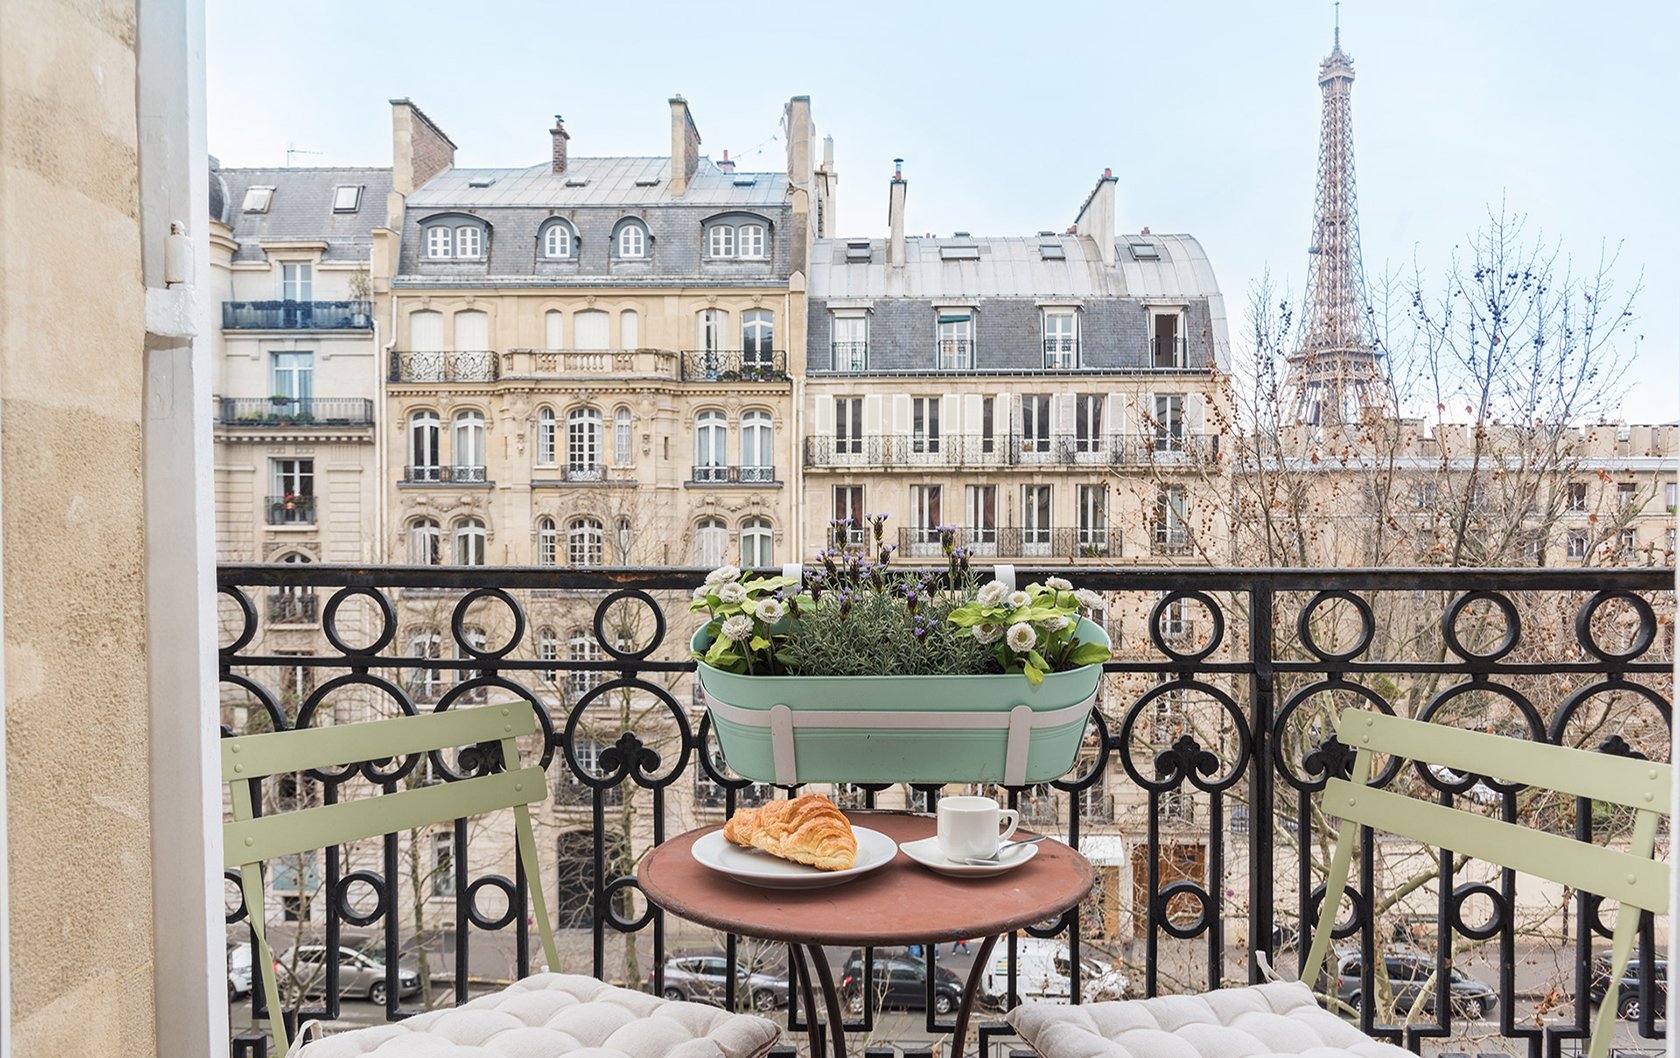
x=863, y=673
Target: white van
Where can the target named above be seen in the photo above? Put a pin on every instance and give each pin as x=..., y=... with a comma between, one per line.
x=1042, y=973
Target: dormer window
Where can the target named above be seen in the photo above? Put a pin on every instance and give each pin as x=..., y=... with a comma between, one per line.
x=468, y=242
x=557, y=241
x=450, y=240
x=257, y=199
x=632, y=241
x=440, y=242
x=722, y=241
x=347, y=198
x=744, y=241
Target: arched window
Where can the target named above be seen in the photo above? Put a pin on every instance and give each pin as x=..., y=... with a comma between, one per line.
x=757, y=447
x=755, y=544
x=711, y=542
x=583, y=542
x=467, y=454
x=720, y=241
x=424, y=430
x=472, y=331
x=629, y=329
x=548, y=649
x=711, y=447
x=632, y=241
x=589, y=330
x=581, y=646
x=440, y=242
x=548, y=542
x=749, y=239
x=469, y=242
x=474, y=637
x=624, y=453
x=425, y=542
x=557, y=240
x=546, y=431
x=554, y=329
x=758, y=338
x=583, y=444
x=469, y=542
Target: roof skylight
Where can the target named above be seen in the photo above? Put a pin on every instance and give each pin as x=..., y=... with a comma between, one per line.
x=257, y=199
x=347, y=198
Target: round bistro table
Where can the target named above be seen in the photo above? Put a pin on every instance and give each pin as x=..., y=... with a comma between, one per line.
x=901, y=903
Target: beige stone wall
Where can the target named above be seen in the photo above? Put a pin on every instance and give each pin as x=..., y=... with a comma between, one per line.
x=77, y=760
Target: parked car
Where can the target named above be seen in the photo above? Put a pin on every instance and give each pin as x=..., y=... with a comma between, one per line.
x=1628, y=992
x=1410, y=973
x=239, y=970
x=704, y=979
x=361, y=972
x=1043, y=971
x=900, y=982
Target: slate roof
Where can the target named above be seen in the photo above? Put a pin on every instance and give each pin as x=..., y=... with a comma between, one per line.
x=301, y=209
x=600, y=182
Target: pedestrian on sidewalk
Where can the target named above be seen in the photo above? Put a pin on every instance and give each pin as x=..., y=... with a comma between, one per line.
x=963, y=944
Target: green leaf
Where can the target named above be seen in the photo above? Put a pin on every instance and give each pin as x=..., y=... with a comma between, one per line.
x=1089, y=654
x=1037, y=660
x=719, y=647
x=759, y=643
x=1035, y=676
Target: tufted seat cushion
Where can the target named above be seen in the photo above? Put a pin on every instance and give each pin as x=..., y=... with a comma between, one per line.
x=1266, y=1021
x=549, y=1015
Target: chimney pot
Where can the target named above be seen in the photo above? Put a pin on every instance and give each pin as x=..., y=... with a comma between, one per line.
x=559, y=135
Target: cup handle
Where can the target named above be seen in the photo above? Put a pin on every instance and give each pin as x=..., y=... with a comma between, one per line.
x=1014, y=821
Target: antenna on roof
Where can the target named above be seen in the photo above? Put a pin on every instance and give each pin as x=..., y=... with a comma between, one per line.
x=292, y=149
x=1338, y=23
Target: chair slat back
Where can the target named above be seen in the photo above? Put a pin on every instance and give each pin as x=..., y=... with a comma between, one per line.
x=249, y=839
x=1631, y=877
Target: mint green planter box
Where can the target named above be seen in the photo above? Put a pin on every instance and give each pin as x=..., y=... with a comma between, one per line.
x=1002, y=729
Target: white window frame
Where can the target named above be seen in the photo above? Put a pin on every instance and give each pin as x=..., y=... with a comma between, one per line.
x=720, y=241
x=1038, y=411
x=1037, y=517
x=469, y=242
x=758, y=446
x=1169, y=422
x=548, y=542
x=927, y=513
x=848, y=426
x=624, y=441
x=757, y=545
x=548, y=649
x=980, y=507
x=347, y=198
x=581, y=646
x=1172, y=525
x=425, y=444
x=924, y=424
x=851, y=352
x=557, y=241
x=467, y=440
x=440, y=242
x=750, y=242
x=425, y=542
x=297, y=281
x=257, y=199
x=547, y=430
x=469, y=538
x=1575, y=544
x=425, y=684
x=1061, y=339
x=632, y=242
x=711, y=541
x=1092, y=520
x=711, y=446
x=583, y=441
x=585, y=542
x=956, y=341
x=758, y=338
x=1087, y=422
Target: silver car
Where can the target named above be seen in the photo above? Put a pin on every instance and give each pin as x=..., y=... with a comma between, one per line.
x=361, y=973
x=703, y=978
x=239, y=970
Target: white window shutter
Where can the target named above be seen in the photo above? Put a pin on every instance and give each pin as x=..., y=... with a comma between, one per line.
x=872, y=416
x=1005, y=415
x=825, y=416
x=948, y=414
x=971, y=420
x=1062, y=419
x=425, y=331
x=901, y=413
x=472, y=330
x=1114, y=416
x=554, y=336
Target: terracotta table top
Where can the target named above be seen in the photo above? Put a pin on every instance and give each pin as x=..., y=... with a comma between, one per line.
x=901, y=903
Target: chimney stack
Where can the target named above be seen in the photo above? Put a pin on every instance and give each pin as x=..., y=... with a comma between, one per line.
x=560, y=138
x=725, y=165
x=419, y=149
x=895, y=214
x=685, y=146
x=1096, y=216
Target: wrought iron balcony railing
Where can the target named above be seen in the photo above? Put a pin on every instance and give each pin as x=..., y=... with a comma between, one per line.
x=1011, y=541
x=1004, y=450
x=1061, y=353
x=1210, y=745
x=295, y=411
x=476, y=365
x=711, y=474
x=1168, y=352
x=597, y=474
x=288, y=607
x=297, y=315
x=850, y=356
x=463, y=474
x=733, y=365
x=569, y=363
x=291, y=509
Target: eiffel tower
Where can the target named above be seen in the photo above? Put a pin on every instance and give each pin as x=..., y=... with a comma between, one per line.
x=1336, y=375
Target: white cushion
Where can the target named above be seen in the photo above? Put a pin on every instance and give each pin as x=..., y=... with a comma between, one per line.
x=1278, y=1020
x=548, y=1015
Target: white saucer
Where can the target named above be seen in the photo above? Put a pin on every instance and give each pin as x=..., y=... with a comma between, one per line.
x=874, y=851
x=926, y=852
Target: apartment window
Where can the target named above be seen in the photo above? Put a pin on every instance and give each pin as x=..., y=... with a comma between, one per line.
x=469, y=242
x=1169, y=422
x=1172, y=531
x=758, y=339
x=751, y=240
x=714, y=326
x=584, y=542
x=980, y=506
x=624, y=453
x=347, y=198
x=474, y=638
x=468, y=451
x=1626, y=542
x=848, y=425
x=711, y=447
x=926, y=514
x=1035, y=422
x=851, y=343
x=294, y=491
x=425, y=542
x=1575, y=496
x=711, y=542
x=554, y=329
x=583, y=443
x=548, y=542
x=924, y=420
x=755, y=544
x=424, y=684
x=988, y=440
x=1088, y=422
x=1626, y=493
x=469, y=542
x=632, y=241
x=956, y=342
x=721, y=241
x=848, y=505
x=629, y=329
x=1668, y=540
x=257, y=199
x=757, y=447
x=1061, y=338
x=440, y=242
x=1093, y=519
x=557, y=241
x=443, y=862
x=1035, y=519
x=589, y=330
x=1671, y=493
x=581, y=646
x=292, y=375
x=424, y=430
x=548, y=649
x=1426, y=495
x=297, y=282
x=1166, y=344
x=624, y=541
x=547, y=430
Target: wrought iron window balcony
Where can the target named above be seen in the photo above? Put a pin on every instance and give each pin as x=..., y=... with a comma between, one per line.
x=1061, y=353
x=1169, y=541
x=954, y=354
x=709, y=474
x=297, y=315
x=295, y=411
x=909, y=450
x=1168, y=353
x=291, y=509
x=286, y=607
x=473, y=365
x=849, y=356
x=597, y=474
x=734, y=365
x=465, y=474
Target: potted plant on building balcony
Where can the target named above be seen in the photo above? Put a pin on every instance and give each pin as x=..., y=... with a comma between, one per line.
x=361, y=291
x=860, y=671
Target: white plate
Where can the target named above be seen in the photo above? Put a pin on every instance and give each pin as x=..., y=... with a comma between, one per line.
x=754, y=867
x=926, y=852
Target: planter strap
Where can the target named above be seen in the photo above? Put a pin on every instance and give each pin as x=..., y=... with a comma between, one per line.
x=782, y=721
x=1005, y=573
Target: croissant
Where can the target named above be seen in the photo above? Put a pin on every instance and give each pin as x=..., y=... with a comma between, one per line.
x=807, y=829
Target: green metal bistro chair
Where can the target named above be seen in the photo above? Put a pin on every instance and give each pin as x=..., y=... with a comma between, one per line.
x=1283, y=1018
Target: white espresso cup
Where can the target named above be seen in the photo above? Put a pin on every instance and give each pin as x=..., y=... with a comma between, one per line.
x=968, y=826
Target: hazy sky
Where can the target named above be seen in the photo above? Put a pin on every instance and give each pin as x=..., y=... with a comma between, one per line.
x=1005, y=114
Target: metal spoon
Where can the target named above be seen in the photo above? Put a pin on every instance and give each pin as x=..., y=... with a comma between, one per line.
x=992, y=861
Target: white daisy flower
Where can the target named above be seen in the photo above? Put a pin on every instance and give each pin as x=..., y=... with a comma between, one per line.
x=1058, y=584
x=992, y=594
x=1090, y=600
x=1018, y=599
x=732, y=593
x=771, y=610
x=738, y=627
x=1022, y=638
x=724, y=575
x=1055, y=623
x=701, y=592
x=988, y=632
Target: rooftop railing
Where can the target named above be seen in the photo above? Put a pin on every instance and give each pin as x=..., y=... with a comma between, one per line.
x=1195, y=795
x=297, y=315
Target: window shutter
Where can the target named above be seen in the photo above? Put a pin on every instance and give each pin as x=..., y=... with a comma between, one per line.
x=948, y=415
x=901, y=413
x=825, y=416
x=554, y=330
x=1114, y=415
x=971, y=421
x=472, y=331
x=1062, y=420
x=872, y=416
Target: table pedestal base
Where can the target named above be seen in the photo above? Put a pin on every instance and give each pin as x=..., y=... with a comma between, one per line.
x=810, y=955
